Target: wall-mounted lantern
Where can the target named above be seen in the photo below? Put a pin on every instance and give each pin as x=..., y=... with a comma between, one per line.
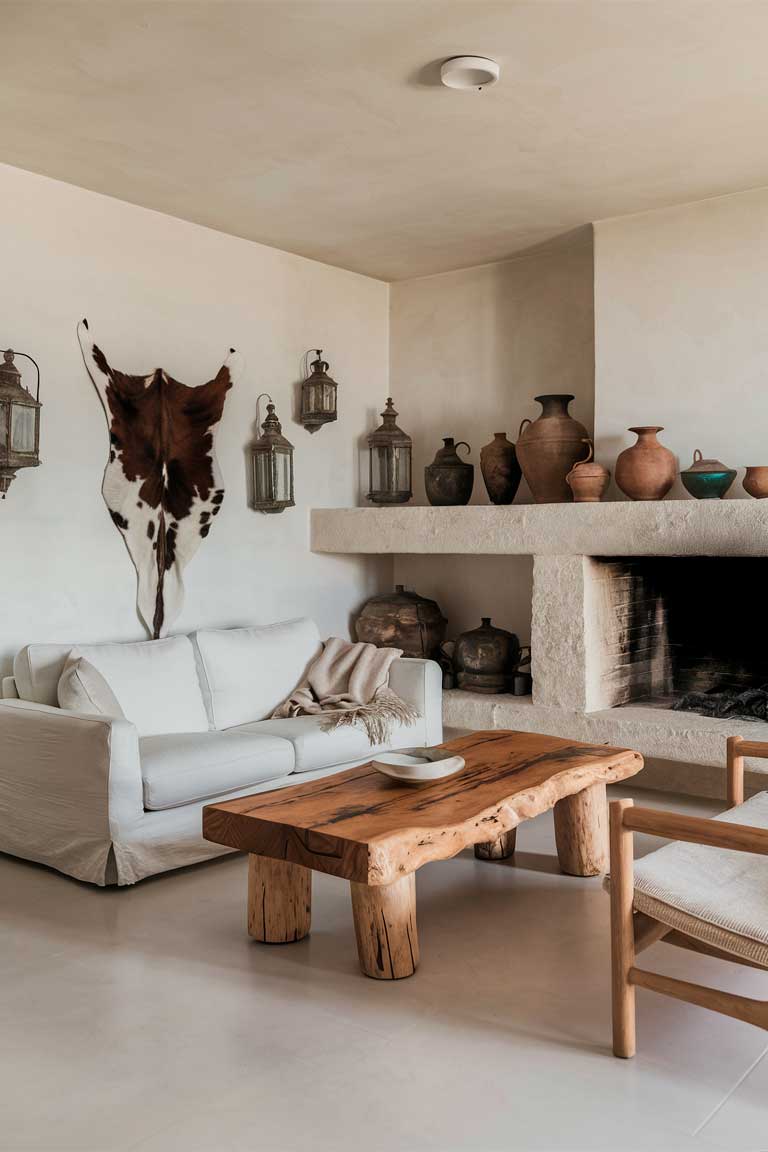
x=272, y=463
x=19, y=421
x=390, y=461
x=318, y=396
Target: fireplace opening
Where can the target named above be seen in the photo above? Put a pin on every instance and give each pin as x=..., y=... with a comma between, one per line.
x=685, y=632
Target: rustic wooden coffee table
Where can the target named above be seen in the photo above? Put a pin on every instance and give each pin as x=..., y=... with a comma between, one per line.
x=374, y=832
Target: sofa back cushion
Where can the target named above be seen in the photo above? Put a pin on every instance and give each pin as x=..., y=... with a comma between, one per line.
x=247, y=672
x=155, y=682
x=37, y=670
x=82, y=688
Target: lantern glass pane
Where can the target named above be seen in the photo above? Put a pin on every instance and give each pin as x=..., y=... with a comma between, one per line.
x=262, y=476
x=390, y=469
x=22, y=428
x=4, y=425
x=283, y=463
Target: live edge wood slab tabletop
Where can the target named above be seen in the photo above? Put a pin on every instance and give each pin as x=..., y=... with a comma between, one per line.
x=367, y=828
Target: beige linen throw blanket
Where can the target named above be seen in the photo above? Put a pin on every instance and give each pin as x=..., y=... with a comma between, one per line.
x=350, y=682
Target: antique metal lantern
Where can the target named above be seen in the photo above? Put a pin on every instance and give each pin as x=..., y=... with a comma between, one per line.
x=318, y=396
x=390, y=461
x=19, y=421
x=272, y=462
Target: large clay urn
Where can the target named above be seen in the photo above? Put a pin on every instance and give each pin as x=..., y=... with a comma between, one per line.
x=404, y=620
x=647, y=470
x=501, y=471
x=548, y=448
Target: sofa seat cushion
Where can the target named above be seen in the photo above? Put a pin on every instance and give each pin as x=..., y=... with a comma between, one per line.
x=247, y=672
x=315, y=748
x=713, y=894
x=185, y=767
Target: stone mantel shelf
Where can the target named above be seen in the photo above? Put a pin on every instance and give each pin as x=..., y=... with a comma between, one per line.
x=618, y=528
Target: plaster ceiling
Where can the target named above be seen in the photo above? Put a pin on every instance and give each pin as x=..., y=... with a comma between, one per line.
x=319, y=126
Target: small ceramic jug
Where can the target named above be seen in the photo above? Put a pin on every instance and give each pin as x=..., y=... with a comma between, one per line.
x=449, y=479
x=588, y=480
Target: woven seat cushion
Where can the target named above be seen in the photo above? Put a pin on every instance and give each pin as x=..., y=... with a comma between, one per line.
x=712, y=894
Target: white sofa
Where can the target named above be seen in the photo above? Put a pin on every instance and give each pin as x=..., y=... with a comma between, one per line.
x=114, y=800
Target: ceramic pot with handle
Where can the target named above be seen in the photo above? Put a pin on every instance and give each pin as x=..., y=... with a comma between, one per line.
x=588, y=480
x=449, y=479
x=707, y=479
x=548, y=447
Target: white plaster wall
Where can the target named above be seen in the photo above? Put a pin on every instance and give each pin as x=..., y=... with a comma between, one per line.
x=469, y=351
x=160, y=291
x=681, y=340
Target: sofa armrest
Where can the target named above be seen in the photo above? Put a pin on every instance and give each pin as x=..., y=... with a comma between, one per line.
x=8, y=689
x=67, y=781
x=420, y=683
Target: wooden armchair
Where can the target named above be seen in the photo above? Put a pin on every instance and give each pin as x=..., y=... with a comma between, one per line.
x=668, y=896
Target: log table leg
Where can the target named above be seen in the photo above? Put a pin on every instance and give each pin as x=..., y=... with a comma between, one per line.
x=500, y=849
x=581, y=832
x=279, y=900
x=385, y=928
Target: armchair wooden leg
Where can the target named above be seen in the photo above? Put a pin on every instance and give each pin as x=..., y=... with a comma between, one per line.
x=622, y=932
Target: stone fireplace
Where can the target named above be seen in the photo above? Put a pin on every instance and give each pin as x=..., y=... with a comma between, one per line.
x=633, y=606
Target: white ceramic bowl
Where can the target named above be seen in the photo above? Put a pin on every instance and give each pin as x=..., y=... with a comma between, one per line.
x=418, y=765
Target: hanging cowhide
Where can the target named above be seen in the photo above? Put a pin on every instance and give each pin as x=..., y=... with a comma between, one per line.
x=162, y=483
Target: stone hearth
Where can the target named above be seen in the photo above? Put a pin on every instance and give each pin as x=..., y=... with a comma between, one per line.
x=580, y=635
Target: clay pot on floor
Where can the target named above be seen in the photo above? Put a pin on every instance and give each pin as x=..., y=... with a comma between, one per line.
x=548, y=448
x=486, y=659
x=588, y=480
x=756, y=481
x=404, y=620
x=449, y=479
x=500, y=468
x=647, y=470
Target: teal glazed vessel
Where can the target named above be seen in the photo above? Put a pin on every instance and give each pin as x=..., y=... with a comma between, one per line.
x=707, y=479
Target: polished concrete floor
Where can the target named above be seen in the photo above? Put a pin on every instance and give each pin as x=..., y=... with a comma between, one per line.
x=145, y=1019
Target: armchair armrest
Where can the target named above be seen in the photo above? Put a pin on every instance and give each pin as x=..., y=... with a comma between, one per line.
x=420, y=683
x=715, y=833
x=67, y=780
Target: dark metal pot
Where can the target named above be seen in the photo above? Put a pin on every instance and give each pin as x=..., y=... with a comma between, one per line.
x=404, y=620
x=449, y=479
x=486, y=659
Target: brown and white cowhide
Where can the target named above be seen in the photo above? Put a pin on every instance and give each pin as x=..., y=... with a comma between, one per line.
x=162, y=483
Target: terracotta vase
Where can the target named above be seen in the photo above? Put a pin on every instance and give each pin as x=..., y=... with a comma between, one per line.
x=501, y=471
x=756, y=481
x=588, y=480
x=548, y=448
x=647, y=470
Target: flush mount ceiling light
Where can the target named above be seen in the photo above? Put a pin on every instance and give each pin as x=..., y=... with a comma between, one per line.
x=469, y=72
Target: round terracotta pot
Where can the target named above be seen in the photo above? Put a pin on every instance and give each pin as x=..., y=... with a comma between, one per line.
x=501, y=471
x=548, y=448
x=588, y=480
x=647, y=470
x=756, y=481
